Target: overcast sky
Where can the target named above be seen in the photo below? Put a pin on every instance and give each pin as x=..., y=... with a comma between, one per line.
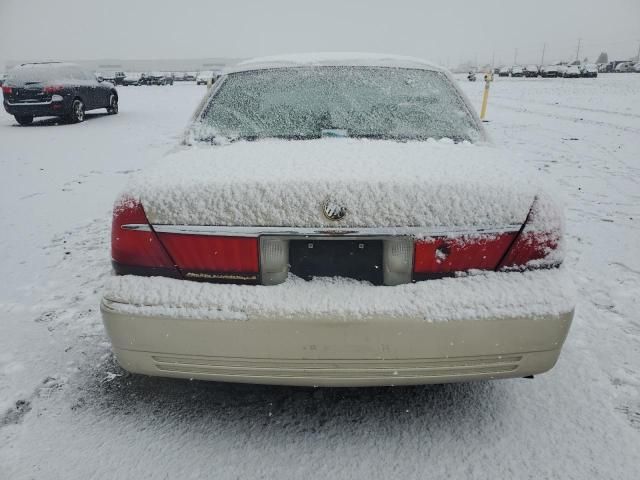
x=444, y=31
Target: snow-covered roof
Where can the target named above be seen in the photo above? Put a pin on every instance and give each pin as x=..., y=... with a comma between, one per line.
x=332, y=59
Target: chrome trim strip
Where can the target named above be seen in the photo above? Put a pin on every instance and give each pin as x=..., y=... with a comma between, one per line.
x=26, y=104
x=240, y=231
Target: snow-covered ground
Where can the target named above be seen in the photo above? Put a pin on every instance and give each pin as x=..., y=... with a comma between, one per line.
x=67, y=411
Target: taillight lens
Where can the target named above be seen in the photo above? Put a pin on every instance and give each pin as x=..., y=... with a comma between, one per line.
x=536, y=245
x=137, y=251
x=539, y=243
x=445, y=255
x=532, y=250
x=214, y=258
x=53, y=88
x=7, y=90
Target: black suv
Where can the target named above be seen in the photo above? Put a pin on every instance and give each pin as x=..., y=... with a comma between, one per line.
x=55, y=89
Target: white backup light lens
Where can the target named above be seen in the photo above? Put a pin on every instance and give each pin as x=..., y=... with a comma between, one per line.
x=56, y=98
x=398, y=260
x=274, y=260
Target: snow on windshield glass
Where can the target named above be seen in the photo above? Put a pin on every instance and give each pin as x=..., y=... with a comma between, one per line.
x=364, y=102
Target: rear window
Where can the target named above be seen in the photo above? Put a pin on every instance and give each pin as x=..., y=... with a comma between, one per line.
x=361, y=102
x=44, y=73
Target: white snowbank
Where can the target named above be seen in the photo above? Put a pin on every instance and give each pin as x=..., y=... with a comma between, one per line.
x=382, y=184
x=482, y=296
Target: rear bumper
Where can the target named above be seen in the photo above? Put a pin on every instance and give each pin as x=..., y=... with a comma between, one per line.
x=322, y=348
x=44, y=109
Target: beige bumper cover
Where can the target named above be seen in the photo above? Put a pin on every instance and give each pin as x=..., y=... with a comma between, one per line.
x=324, y=349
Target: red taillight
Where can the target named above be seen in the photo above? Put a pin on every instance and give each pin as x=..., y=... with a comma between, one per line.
x=136, y=248
x=216, y=258
x=529, y=249
x=52, y=88
x=444, y=255
x=536, y=245
x=137, y=251
x=7, y=90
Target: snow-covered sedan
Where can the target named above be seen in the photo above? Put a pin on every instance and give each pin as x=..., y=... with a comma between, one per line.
x=517, y=71
x=572, y=71
x=589, y=70
x=132, y=78
x=549, y=71
x=337, y=220
x=204, y=78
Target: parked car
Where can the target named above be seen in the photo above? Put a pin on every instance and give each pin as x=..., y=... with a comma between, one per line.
x=132, y=78
x=624, y=67
x=107, y=76
x=204, y=77
x=531, y=71
x=589, y=70
x=3, y=76
x=55, y=89
x=572, y=71
x=317, y=226
x=504, y=72
x=636, y=67
x=158, y=78
x=118, y=78
x=189, y=76
x=549, y=71
x=517, y=71
x=562, y=68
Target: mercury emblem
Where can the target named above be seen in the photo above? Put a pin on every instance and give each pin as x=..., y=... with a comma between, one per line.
x=333, y=210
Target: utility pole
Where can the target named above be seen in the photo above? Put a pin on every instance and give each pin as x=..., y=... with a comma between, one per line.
x=638, y=54
x=515, y=57
x=578, y=50
x=544, y=47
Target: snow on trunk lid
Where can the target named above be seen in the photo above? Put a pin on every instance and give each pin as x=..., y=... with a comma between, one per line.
x=379, y=183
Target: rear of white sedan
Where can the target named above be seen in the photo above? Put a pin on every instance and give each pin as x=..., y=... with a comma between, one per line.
x=337, y=221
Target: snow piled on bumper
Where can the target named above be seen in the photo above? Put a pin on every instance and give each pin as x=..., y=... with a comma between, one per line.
x=482, y=296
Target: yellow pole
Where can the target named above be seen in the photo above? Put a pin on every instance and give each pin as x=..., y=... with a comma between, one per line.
x=488, y=78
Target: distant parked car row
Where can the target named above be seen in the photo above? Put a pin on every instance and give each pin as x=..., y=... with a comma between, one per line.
x=549, y=71
x=156, y=78
x=134, y=78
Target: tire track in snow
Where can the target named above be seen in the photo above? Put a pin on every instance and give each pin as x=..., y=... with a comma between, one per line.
x=569, y=118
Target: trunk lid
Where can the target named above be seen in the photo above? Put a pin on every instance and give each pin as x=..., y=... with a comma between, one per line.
x=30, y=92
x=377, y=183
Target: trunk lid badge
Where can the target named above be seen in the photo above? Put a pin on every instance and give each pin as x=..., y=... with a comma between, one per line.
x=333, y=210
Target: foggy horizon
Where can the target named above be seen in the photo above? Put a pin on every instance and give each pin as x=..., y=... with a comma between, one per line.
x=448, y=34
